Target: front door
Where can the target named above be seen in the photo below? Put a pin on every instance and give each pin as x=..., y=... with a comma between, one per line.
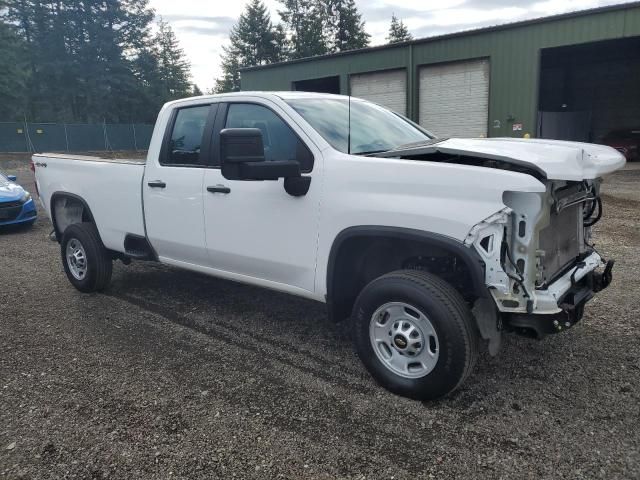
x=172, y=188
x=255, y=230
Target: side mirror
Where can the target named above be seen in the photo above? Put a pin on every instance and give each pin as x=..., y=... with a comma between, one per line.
x=12, y=178
x=242, y=157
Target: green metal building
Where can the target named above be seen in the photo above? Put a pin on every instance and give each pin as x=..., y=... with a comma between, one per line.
x=574, y=76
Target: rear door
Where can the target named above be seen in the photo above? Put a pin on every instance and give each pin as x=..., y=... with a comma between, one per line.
x=172, y=187
x=255, y=230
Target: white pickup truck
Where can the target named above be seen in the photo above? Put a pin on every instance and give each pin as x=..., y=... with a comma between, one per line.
x=426, y=244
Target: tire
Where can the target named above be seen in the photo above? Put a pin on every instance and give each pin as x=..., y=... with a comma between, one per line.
x=92, y=274
x=415, y=334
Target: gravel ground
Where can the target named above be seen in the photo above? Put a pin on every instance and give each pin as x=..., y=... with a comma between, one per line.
x=171, y=374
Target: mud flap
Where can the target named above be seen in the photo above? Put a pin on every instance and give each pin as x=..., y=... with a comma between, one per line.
x=486, y=315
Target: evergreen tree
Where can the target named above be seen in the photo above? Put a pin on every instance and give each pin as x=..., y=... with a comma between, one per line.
x=100, y=57
x=150, y=90
x=174, y=69
x=230, y=79
x=14, y=77
x=344, y=26
x=305, y=22
x=47, y=64
x=92, y=61
x=398, y=31
x=195, y=91
x=253, y=41
x=254, y=37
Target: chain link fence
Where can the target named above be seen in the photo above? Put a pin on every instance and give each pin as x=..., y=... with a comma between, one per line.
x=73, y=137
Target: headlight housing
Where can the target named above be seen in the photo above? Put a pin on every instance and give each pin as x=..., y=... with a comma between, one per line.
x=26, y=197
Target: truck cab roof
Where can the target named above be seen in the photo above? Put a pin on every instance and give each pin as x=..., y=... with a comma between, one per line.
x=284, y=95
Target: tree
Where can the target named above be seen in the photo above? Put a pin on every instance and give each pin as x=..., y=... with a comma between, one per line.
x=255, y=38
x=304, y=22
x=150, y=90
x=253, y=41
x=173, y=66
x=398, y=31
x=93, y=61
x=101, y=39
x=195, y=91
x=14, y=78
x=317, y=27
x=230, y=79
x=33, y=22
x=344, y=26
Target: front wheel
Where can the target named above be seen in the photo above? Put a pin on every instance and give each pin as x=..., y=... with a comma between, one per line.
x=86, y=261
x=415, y=334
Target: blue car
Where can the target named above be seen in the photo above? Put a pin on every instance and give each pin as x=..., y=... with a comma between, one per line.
x=16, y=204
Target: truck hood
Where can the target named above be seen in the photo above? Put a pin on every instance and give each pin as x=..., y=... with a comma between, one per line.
x=554, y=159
x=10, y=191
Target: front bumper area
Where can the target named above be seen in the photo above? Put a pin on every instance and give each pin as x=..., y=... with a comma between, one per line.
x=584, y=283
x=14, y=214
x=548, y=301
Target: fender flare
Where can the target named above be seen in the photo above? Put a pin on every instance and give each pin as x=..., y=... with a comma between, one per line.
x=61, y=194
x=470, y=257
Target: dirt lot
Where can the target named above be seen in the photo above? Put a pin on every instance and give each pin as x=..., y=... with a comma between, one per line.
x=176, y=375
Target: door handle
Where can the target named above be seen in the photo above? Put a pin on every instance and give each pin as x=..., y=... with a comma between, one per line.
x=157, y=184
x=219, y=189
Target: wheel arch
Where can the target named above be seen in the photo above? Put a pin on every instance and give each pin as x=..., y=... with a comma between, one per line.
x=361, y=253
x=83, y=214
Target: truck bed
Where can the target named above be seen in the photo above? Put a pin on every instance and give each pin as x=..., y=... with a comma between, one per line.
x=111, y=189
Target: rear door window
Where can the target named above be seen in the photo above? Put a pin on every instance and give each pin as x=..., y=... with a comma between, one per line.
x=184, y=145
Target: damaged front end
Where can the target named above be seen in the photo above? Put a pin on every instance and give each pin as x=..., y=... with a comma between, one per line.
x=540, y=265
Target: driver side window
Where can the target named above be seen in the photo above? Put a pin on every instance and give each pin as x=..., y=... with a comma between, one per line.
x=280, y=141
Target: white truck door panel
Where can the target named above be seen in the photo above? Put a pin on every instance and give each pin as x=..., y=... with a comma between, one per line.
x=172, y=189
x=256, y=228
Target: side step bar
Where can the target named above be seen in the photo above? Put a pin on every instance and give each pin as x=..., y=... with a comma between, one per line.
x=138, y=247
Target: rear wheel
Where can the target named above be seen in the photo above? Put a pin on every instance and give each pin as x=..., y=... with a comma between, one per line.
x=415, y=334
x=86, y=261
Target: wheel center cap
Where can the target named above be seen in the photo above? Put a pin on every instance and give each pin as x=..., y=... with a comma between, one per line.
x=400, y=342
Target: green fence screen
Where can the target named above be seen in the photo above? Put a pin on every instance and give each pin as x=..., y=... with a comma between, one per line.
x=12, y=137
x=66, y=137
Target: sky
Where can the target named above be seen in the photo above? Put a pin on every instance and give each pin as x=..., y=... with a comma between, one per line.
x=202, y=26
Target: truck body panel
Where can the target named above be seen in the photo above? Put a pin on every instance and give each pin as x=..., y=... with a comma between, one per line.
x=111, y=188
x=554, y=159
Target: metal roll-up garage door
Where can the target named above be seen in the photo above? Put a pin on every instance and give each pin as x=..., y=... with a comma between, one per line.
x=454, y=98
x=386, y=88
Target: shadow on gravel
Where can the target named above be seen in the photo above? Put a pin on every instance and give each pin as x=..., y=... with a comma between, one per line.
x=16, y=229
x=291, y=330
x=185, y=291
x=296, y=332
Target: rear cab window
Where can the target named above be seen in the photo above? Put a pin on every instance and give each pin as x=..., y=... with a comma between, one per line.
x=183, y=145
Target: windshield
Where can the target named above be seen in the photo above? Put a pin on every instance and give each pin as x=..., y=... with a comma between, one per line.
x=373, y=128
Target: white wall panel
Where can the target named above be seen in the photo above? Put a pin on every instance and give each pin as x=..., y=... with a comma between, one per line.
x=454, y=98
x=387, y=88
